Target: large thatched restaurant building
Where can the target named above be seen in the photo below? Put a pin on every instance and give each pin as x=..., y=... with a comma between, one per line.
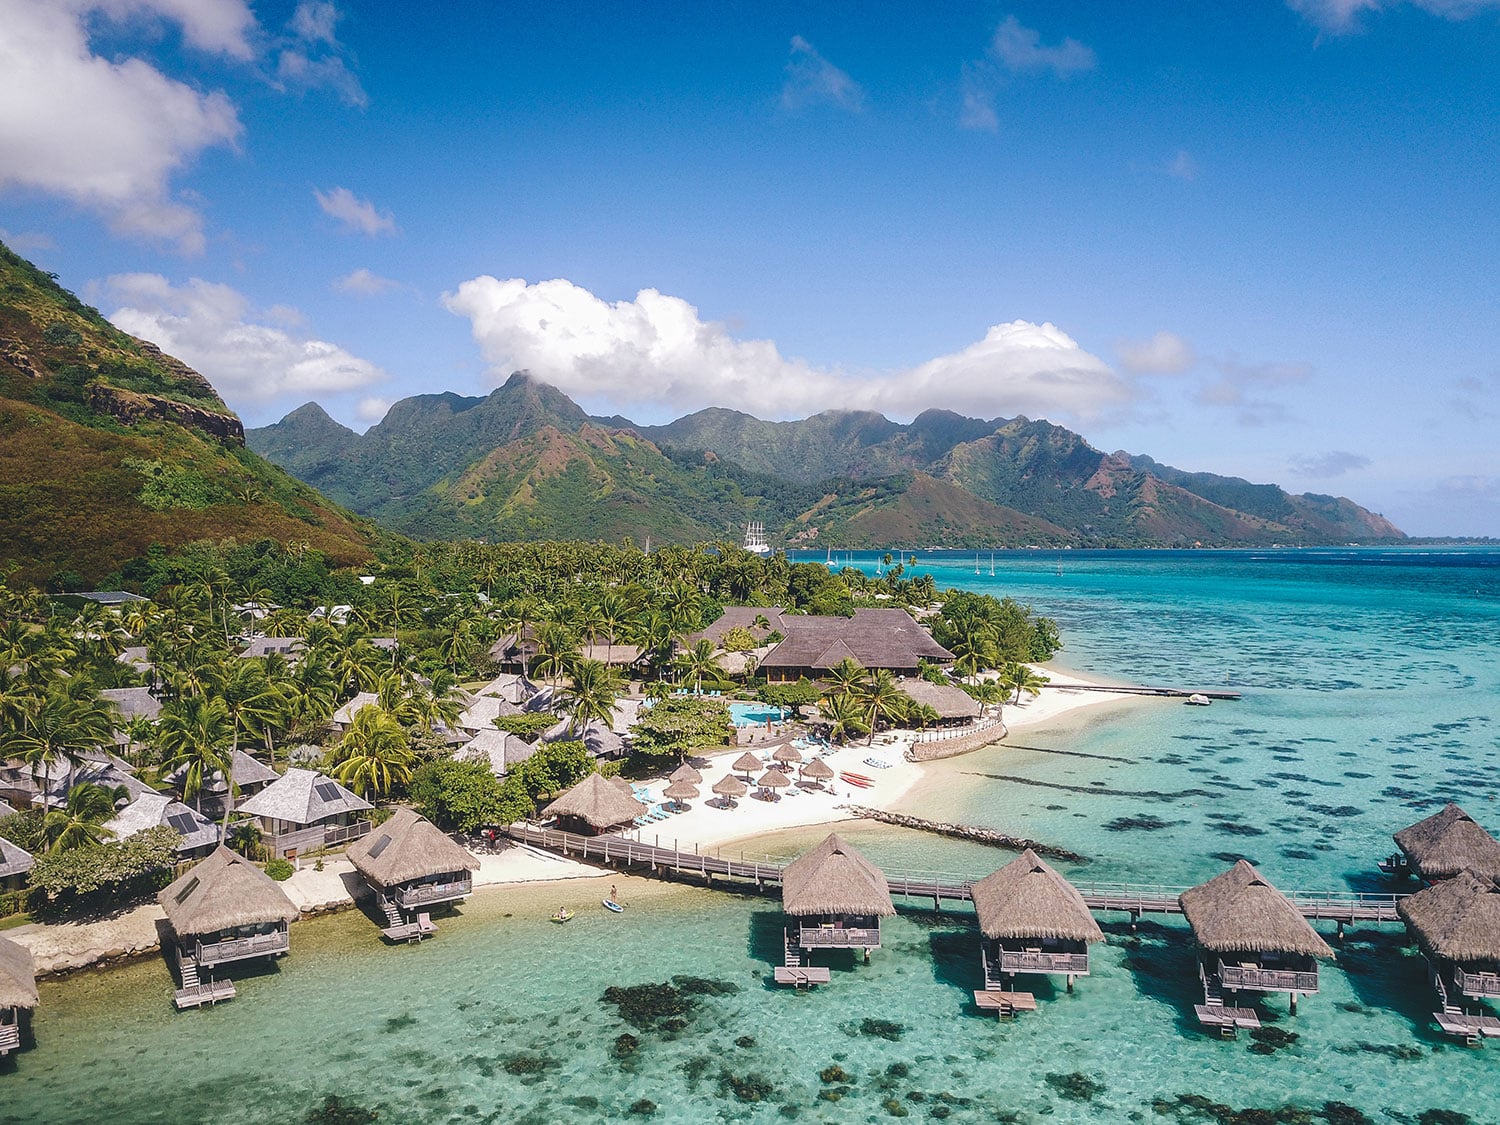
x=1444, y=844
x=1033, y=921
x=412, y=866
x=18, y=995
x=1251, y=938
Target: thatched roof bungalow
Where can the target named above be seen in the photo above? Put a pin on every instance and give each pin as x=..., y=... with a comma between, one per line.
x=1444, y=844
x=1033, y=921
x=223, y=909
x=18, y=993
x=413, y=865
x=303, y=810
x=1457, y=924
x=595, y=805
x=1250, y=937
x=15, y=863
x=836, y=898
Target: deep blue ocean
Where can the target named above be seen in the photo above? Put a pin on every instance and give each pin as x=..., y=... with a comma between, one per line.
x=1371, y=695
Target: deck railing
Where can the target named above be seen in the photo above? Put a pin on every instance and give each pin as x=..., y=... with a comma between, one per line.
x=1238, y=977
x=10, y=1037
x=1033, y=961
x=343, y=833
x=839, y=937
x=235, y=949
x=1476, y=984
x=946, y=734
x=424, y=894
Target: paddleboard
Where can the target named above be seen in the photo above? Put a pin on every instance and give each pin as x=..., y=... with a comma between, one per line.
x=618, y=908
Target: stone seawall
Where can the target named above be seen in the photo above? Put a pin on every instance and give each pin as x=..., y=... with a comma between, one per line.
x=931, y=751
x=967, y=832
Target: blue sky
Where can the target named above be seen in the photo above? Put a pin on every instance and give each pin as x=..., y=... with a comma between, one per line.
x=1255, y=238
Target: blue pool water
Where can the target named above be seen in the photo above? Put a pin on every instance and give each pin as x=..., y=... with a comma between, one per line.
x=753, y=714
x=1370, y=684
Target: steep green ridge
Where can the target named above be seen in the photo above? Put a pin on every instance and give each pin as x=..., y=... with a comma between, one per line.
x=526, y=462
x=108, y=446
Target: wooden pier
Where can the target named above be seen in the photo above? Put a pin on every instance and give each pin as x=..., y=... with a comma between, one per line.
x=208, y=992
x=1343, y=908
x=1158, y=692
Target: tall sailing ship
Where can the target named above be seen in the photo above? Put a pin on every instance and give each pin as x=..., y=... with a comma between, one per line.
x=755, y=538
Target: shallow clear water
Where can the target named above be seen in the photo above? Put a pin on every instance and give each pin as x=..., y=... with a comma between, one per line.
x=1369, y=687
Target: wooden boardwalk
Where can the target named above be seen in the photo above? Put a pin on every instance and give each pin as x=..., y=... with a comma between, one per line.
x=1158, y=692
x=1345, y=908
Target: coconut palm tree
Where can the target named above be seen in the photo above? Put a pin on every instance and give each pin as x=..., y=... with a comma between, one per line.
x=1022, y=677
x=699, y=663
x=882, y=699
x=81, y=819
x=373, y=755
x=845, y=677
x=844, y=716
x=556, y=650
x=197, y=732
x=593, y=692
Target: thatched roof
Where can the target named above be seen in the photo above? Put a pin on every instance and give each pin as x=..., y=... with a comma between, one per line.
x=740, y=617
x=948, y=701
x=14, y=859
x=833, y=878
x=598, y=803
x=817, y=769
x=686, y=773
x=1449, y=842
x=877, y=638
x=1457, y=919
x=773, y=779
x=1240, y=912
x=681, y=791
x=787, y=753
x=1028, y=899
x=746, y=763
x=303, y=797
x=17, y=976
x=408, y=847
x=223, y=891
x=730, y=786
x=622, y=785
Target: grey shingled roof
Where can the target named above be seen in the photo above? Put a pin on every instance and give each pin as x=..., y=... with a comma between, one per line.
x=263, y=646
x=484, y=710
x=345, y=714
x=133, y=702
x=294, y=798
x=247, y=771
x=499, y=748
x=14, y=859
x=151, y=810
x=17, y=976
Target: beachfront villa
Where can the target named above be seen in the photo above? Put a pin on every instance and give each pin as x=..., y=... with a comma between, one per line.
x=595, y=805
x=1033, y=921
x=833, y=898
x=221, y=910
x=250, y=777
x=18, y=995
x=1444, y=844
x=303, y=811
x=152, y=810
x=1456, y=922
x=15, y=863
x=1250, y=938
x=412, y=866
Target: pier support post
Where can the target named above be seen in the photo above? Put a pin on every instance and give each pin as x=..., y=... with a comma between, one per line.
x=1135, y=916
x=1294, y=1003
x=1070, y=982
x=1339, y=935
x=867, y=955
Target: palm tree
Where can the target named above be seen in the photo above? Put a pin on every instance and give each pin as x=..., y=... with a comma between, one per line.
x=81, y=819
x=845, y=677
x=844, y=715
x=373, y=754
x=62, y=725
x=700, y=663
x=882, y=699
x=197, y=732
x=592, y=695
x=1022, y=677
x=556, y=650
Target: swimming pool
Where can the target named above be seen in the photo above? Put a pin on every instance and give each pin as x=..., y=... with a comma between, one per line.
x=754, y=714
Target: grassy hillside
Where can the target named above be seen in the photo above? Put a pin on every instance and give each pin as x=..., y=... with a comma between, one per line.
x=108, y=446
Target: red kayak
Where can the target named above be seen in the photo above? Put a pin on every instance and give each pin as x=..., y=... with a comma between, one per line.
x=857, y=780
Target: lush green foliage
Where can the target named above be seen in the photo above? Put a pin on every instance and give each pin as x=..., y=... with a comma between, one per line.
x=680, y=724
x=796, y=696
x=25, y=830
x=985, y=632
x=529, y=726
x=134, y=864
x=280, y=869
x=459, y=796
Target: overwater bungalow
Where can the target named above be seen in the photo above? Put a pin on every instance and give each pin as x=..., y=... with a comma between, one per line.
x=1444, y=844
x=221, y=910
x=594, y=805
x=1033, y=921
x=18, y=995
x=15, y=865
x=1456, y=922
x=412, y=866
x=303, y=811
x=833, y=898
x=250, y=777
x=1250, y=939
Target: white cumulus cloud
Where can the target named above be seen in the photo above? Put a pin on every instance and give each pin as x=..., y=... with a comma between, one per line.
x=212, y=328
x=1021, y=49
x=109, y=134
x=1166, y=353
x=811, y=80
x=365, y=283
x=311, y=56
x=355, y=213
x=372, y=408
x=1326, y=466
x=657, y=350
x=1342, y=16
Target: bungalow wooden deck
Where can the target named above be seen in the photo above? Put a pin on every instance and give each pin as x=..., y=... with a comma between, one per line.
x=208, y=992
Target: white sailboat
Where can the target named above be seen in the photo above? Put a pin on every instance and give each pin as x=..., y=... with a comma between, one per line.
x=755, y=538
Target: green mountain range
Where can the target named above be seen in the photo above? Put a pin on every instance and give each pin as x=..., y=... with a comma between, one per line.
x=526, y=462
x=108, y=446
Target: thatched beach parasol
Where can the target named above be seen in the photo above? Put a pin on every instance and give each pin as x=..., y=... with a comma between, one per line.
x=1028, y=899
x=787, y=753
x=747, y=763
x=222, y=892
x=1448, y=842
x=1240, y=912
x=17, y=976
x=686, y=773
x=818, y=770
x=405, y=848
x=1457, y=919
x=680, y=791
x=729, y=787
x=773, y=779
x=597, y=803
x=834, y=879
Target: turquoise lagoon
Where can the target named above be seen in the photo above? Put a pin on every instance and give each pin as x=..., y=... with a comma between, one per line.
x=1370, y=684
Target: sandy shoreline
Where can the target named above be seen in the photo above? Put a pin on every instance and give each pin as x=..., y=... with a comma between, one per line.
x=71, y=946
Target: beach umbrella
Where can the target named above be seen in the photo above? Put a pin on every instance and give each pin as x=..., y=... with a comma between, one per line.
x=787, y=753
x=817, y=769
x=680, y=791
x=773, y=779
x=686, y=773
x=746, y=763
x=729, y=787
